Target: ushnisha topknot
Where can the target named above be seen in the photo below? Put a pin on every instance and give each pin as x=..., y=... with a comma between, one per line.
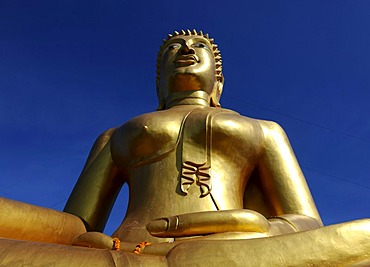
x=188, y=32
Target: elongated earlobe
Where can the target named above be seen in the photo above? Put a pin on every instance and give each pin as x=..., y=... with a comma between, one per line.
x=217, y=91
x=161, y=100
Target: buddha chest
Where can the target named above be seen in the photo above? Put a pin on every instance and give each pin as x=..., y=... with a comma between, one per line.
x=198, y=136
x=182, y=160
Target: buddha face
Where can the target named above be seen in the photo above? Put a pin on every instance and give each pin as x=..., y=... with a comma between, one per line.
x=187, y=64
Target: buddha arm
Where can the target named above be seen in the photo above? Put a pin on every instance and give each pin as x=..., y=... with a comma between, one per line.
x=283, y=185
x=91, y=201
x=24, y=221
x=97, y=187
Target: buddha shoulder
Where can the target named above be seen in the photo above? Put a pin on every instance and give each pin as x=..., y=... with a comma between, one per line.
x=272, y=132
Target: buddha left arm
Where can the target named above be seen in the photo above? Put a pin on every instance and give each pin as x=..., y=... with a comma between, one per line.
x=283, y=184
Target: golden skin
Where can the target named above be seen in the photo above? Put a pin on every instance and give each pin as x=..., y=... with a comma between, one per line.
x=145, y=145
x=187, y=64
x=254, y=188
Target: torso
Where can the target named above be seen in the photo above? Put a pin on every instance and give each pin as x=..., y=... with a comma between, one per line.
x=150, y=150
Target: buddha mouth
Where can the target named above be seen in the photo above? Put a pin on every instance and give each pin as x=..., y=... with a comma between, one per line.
x=188, y=60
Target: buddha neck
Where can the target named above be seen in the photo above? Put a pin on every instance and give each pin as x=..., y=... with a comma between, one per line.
x=199, y=98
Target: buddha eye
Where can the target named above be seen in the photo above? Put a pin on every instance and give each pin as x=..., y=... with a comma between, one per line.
x=173, y=46
x=200, y=45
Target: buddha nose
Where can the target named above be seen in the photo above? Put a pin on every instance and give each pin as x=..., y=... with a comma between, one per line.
x=186, y=50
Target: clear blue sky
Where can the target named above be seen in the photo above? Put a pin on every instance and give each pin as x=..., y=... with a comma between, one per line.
x=71, y=69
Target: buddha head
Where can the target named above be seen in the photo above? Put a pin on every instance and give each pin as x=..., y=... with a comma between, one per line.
x=189, y=61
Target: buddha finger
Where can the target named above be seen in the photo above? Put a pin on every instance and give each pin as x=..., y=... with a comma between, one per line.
x=209, y=222
x=97, y=240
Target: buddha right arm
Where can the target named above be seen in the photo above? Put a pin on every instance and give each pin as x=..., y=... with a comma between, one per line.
x=27, y=222
x=88, y=207
x=23, y=221
x=96, y=190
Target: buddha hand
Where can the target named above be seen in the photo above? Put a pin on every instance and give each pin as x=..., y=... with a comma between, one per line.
x=96, y=240
x=209, y=222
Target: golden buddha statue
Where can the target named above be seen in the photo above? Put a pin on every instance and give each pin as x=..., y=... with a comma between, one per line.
x=207, y=186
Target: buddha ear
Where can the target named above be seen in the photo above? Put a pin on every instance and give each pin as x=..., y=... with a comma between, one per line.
x=217, y=91
x=161, y=100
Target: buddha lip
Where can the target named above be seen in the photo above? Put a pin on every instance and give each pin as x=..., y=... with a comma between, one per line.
x=186, y=60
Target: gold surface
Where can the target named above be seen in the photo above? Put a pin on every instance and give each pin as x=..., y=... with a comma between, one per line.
x=207, y=186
